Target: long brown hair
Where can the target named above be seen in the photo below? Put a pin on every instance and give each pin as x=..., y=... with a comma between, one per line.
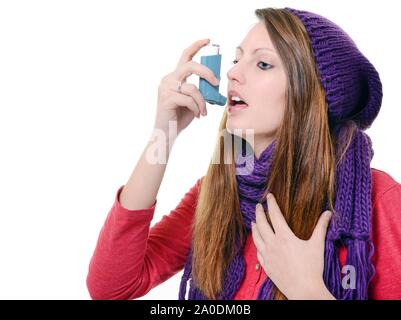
x=302, y=174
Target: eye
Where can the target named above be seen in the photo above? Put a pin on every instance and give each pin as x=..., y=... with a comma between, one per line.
x=266, y=65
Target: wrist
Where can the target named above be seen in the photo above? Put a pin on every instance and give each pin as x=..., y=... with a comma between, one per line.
x=162, y=140
x=316, y=291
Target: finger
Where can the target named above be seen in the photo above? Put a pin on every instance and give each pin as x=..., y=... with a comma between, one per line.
x=319, y=233
x=260, y=258
x=190, y=52
x=183, y=100
x=202, y=71
x=279, y=223
x=191, y=90
x=265, y=230
x=257, y=238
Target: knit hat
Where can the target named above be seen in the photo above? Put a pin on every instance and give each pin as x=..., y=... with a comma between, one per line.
x=353, y=94
x=353, y=87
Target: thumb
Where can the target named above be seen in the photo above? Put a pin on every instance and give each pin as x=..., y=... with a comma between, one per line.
x=320, y=231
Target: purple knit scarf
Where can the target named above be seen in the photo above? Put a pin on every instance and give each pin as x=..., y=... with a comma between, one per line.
x=351, y=226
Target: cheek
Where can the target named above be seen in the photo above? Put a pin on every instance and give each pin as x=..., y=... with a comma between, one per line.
x=266, y=113
x=267, y=119
x=274, y=92
x=269, y=111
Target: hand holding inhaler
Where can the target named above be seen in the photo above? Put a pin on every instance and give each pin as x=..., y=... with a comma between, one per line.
x=181, y=103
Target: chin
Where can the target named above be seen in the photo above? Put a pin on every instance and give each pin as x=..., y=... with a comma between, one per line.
x=238, y=129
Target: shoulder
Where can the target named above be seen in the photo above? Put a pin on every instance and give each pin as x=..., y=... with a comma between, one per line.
x=384, y=186
x=198, y=183
x=386, y=202
x=386, y=236
x=386, y=213
x=191, y=196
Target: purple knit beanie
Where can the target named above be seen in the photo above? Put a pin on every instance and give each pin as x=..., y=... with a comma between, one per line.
x=353, y=87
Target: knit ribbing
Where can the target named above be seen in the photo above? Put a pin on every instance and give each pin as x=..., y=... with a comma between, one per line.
x=352, y=85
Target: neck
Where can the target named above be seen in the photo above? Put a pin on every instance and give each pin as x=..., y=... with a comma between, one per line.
x=260, y=144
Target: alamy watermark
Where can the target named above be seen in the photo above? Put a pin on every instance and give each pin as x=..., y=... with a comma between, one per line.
x=161, y=143
x=349, y=279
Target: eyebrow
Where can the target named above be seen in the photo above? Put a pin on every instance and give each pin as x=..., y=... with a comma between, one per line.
x=254, y=51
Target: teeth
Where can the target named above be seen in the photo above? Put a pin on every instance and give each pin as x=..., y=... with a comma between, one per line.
x=235, y=98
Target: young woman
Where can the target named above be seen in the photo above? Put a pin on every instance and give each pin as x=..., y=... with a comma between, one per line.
x=308, y=95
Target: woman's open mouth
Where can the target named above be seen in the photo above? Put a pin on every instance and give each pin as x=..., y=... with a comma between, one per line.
x=235, y=102
x=237, y=107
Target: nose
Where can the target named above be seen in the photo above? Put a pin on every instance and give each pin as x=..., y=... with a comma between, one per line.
x=230, y=74
x=234, y=73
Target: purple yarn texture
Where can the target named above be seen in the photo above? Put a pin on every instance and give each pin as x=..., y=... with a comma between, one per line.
x=353, y=94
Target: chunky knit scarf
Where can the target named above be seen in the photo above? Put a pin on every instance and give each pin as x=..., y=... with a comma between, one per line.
x=350, y=227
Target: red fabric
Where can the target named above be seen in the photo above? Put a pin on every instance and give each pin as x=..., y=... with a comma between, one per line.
x=131, y=258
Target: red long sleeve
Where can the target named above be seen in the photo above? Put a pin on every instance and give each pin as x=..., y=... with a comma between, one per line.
x=129, y=259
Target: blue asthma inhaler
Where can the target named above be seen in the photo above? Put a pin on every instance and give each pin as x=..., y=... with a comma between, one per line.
x=211, y=58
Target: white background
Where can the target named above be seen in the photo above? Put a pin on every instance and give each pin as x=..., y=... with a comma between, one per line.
x=78, y=93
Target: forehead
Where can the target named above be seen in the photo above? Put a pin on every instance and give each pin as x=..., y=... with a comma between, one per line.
x=257, y=37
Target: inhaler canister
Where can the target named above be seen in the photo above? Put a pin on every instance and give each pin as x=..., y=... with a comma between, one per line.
x=211, y=58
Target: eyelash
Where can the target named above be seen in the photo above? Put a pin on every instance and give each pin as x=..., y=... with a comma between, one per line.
x=234, y=61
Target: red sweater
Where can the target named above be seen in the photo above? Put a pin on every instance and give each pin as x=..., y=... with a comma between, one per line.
x=131, y=258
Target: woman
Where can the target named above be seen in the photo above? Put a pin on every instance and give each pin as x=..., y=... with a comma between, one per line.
x=308, y=96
